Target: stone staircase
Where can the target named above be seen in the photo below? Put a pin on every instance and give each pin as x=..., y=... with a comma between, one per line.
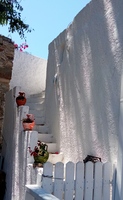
x=36, y=105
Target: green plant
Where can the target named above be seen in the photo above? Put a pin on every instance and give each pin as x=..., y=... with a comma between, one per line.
x=10, y=13
x=39, y=150
x=40, y=153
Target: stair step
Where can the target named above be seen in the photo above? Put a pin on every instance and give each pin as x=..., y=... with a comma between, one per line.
x=35, y=100
x=42, y=94
x=36, y=106
x=37, y=113
x=54, y=158
x=39, y=120
x=52, y=147
x=41, y=129
x=47, y=138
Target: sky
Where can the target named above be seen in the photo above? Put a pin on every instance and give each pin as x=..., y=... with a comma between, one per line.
x=48, y=18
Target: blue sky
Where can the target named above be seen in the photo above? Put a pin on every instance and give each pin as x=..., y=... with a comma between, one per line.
x=48, y=18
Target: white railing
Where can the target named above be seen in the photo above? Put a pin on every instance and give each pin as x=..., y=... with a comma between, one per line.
x=75, y=181
x=17, y=160
x=34, y=192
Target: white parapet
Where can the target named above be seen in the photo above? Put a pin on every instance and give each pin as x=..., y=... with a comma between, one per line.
x=34, y=192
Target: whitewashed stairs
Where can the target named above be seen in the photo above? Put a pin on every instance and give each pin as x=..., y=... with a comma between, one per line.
x=36, y=105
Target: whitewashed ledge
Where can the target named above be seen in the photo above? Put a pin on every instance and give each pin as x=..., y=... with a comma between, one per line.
x=35, y=192
x=33, y=175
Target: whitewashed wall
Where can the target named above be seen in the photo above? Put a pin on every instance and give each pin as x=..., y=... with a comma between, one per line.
x=15, y=149
x=29, y=72
x=85, y=63
x=119, y=180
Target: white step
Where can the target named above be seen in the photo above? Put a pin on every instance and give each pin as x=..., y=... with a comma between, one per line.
x=39, y=120
x=36, y=106
x=52, y=147
x=47, y=138
x=37, y=113
x=35, y=100
x=41, y=129
x=42, y=94
x=54, y=158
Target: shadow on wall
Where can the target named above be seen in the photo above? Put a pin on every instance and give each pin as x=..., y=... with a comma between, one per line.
x=88, y=91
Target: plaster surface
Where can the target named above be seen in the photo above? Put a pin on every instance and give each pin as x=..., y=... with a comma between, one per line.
x=29, y=72
x=83, y=82
x=17, y=160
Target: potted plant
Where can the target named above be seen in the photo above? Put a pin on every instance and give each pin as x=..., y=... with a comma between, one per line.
x=21, y=99
x=40, y=153
x=29, y=122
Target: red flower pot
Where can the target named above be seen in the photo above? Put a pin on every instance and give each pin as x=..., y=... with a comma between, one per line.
x=21, y=100
x=28, y=126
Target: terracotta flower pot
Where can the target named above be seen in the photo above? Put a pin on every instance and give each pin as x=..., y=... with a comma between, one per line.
x=21, y=99
x=28, y=126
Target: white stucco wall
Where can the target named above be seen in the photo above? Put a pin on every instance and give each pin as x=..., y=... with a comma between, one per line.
x=29, y=72
x=83, y=104
x=17, y=160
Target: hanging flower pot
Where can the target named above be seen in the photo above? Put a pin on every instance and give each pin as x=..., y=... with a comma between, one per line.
x=21, y=99
x=29, y=122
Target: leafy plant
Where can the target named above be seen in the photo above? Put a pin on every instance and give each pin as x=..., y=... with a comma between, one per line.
x=39, y=150
x=10, y=13
x=29, y=119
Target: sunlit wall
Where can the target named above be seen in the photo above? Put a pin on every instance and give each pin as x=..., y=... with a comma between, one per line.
x=29, y=72
x=83, y=82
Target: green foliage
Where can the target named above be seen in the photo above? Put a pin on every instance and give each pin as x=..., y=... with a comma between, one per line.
x=10, y=13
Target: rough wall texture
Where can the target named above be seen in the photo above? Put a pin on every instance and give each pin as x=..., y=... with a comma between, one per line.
x=6, y=63
x=15, y=149
x=29, y=72
x=83, y=82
